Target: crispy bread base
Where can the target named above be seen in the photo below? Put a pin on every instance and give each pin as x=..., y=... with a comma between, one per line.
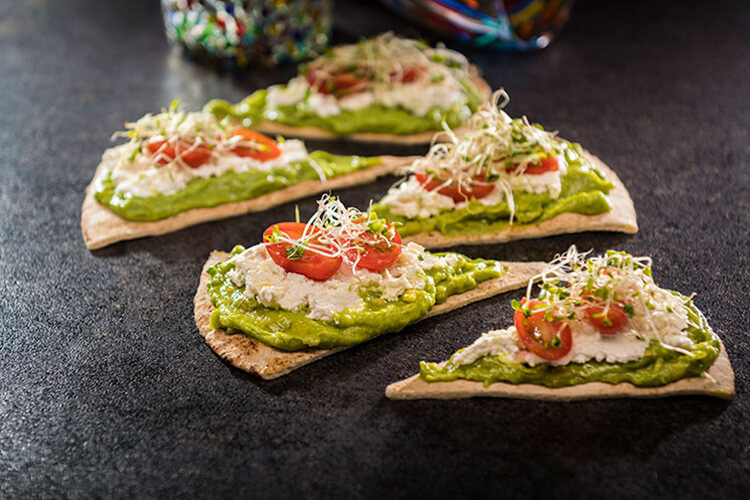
x=621, y=218
x=102, y=227
x=254, y=357
x=722, y=386
x=273, y=128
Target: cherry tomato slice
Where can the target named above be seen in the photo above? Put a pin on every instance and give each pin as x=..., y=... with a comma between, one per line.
x=308, y=263
x=408, y=75
x=266, y=148
x=378, y=255
x=412, y=74
x=341, y=83
x=612, y=322
x=549, y=164
x=163, y=149
x=193, y=156
x=477, y=188
x=538, y=334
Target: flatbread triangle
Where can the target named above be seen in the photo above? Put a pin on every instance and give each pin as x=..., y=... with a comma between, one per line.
x=102, y=227
x=620, y=218
x=720, y=384
x=254, y=357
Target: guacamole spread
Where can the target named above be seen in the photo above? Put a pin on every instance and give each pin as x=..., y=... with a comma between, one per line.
x=658, y=366
x=288, y=330
x=583, y=190
x=384, y=84
x=202, y=192
x=376, y=118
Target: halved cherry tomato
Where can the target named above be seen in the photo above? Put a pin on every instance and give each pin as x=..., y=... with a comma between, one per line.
x=304, y=261
x=193, y=156
x=477, y=188
x=412, y=74
x=333, y=84
x=539, y=335
x=549, y=164
x=408, y=75
x=266, y=148
x=378, y=255
x=612, y=322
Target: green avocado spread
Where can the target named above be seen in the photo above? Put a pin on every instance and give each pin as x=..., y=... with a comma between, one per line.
x=584, y=191
x=293, y=330
x=659, y=366
x=225, y=188
x=375, y=118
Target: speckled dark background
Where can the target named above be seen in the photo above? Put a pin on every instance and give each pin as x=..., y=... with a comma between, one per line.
x=107, y=390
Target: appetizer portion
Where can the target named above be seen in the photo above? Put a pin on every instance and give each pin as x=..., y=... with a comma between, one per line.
x=338, y=280
x=384, y=89
x=505, y=179
x=599, y=327
x=180, y=168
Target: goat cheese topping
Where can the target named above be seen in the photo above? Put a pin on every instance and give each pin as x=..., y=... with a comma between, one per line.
x=588, y=344
x=412, y=200
x=136, y=173
x=654, y=313
x=385, y=70
x=419, y=98
x=268, y=283
x=494, y=158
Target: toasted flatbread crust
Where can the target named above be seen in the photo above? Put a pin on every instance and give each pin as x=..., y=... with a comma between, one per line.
x=254, y=357
x=621, y=218
x=101, y=226
x=722, y=386
x=273, y=128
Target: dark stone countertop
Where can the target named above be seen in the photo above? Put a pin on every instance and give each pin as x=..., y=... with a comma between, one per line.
x=107, y=390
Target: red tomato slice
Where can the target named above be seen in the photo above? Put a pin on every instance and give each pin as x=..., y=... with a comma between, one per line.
x=412, y=74
x=332, y=84
x=267, y=149
x=612, y=322
x=549, y=164
x=193, y=156
x=162, y=148
x=311, y=264
x=538, y=334
x=408, y=75
x=477, y=188
x=377, y=256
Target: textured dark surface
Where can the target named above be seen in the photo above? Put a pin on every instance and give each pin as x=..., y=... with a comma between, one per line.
x=106, y=388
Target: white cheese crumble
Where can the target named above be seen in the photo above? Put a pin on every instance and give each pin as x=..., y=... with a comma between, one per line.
x=626, y=345
x=661, y=316
x=411, y=200
x=144, y=177
x=418, y=97
x=495, y=342
x=272, y=286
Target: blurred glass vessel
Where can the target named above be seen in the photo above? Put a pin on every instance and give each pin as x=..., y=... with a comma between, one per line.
x=497, y=24
x=237, y=33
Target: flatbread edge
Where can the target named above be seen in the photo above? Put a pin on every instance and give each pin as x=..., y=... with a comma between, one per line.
x=102, y=227
x=720, y=384
x=621, y=218
x=254, y=357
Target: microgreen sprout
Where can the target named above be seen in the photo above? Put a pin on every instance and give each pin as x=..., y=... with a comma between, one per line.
x=574, y=281
x=337, y=231
x=495, y=149
x=383, y=60
x=174, y=129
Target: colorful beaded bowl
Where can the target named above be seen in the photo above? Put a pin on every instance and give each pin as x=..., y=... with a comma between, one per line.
x=234, y=34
